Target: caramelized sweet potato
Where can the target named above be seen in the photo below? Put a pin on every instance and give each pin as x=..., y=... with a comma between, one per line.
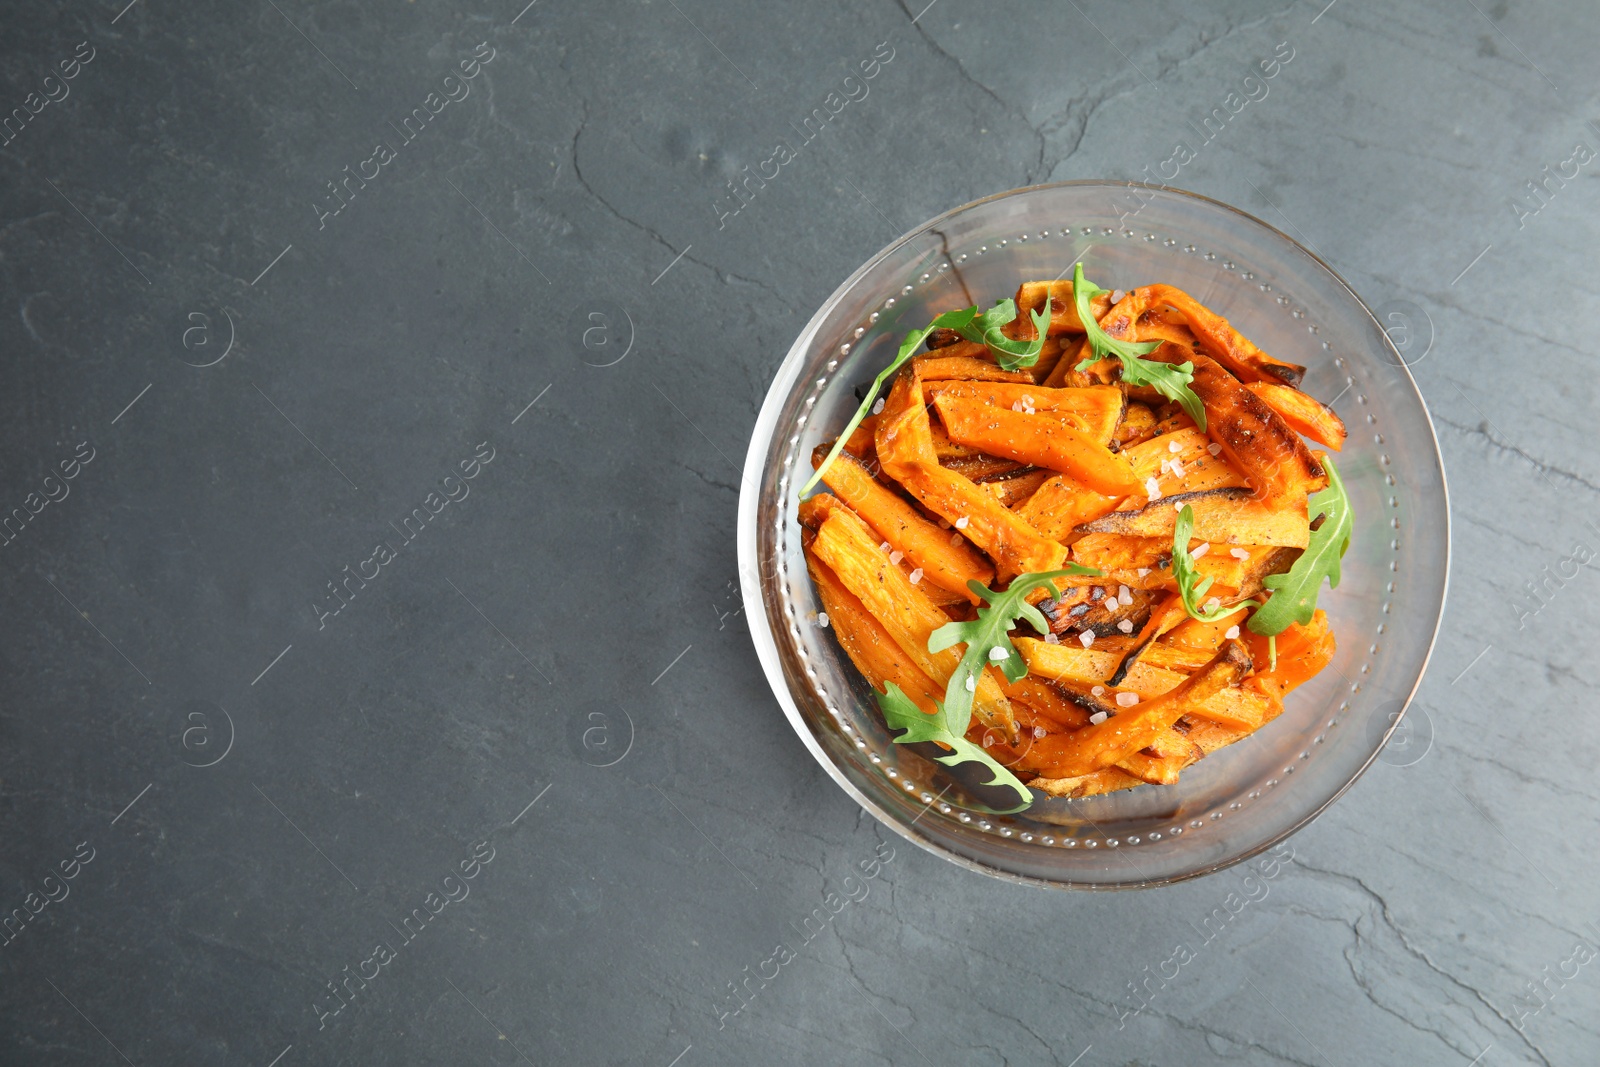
x=1043, y=440
x=867, y=643
x=1221, y=516
x=1098, y=408
x=1260, y=444
x=848, y=547
x=1099, y=746
x=949, y=566
x=905, y=448
x=1305, y=414
x=1225, y=344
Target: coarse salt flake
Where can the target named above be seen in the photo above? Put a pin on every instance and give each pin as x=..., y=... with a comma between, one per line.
x=1152, y=489
x=916, y=576
x=1111, y=603
x=1173, y=446
x=1177, y=469
x=1232, y=634
x=1177, y=505
x=1016, y=405
x=1214, y=448
x=1127, y=700
x=1201, y=549
x=1125, y=594
x=988, y=740
x=1051, y=639
x=1126, y=626
x=961, y=523
x=1117, y=295
x=1039, y=731
x=896, y=556
x=1099, y=690
x=1086, y=638
x=884, y=547
x=877, y=406
x=1239, y=553
x=972, y=683
x=1166, y=466
x=822, y=619
x=997, y=653
x=1211, y=605
x=1143, y=571
x=1097, y=718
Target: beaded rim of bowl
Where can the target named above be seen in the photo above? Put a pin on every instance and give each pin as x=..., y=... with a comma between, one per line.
x=1008, y=826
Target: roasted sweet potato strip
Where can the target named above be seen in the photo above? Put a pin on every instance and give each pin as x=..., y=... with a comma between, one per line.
x=1096, y=747
x=1277, y=463
x=1225, y=344
x=1189, y=468
x=867, y=643
x=1221, y=516
x=949, y=566
x=1087, y=785
x=905, y=448
x=1043, y=440
x=1098, y=408
x=1063, y=309
x=847, y=546
x=1304, y=413
x=1063, y=503
x=948, y=364
x=1081, y=668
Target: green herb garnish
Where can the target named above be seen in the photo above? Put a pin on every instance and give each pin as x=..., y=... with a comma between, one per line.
x=1294, y=593
x=981, y=329
x=1170, y=381
x=988, y=634
x=1191, y=587
x=900, y=713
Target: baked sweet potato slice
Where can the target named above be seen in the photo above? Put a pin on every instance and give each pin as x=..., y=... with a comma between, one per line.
x=1098, y=408
x=1061, y=504
x=1042, y=440
x=1081, y=668
x=866, y=642
x=1181, y=462
x=905, y=448
x=1225, y=344
x=1221, y=516
x=849, y=548
x=1097, y=747
x=928, y=547
x=1305, y=414
x=1272, y=457
x=965, y=362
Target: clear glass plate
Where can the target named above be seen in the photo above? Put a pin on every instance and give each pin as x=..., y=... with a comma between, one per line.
x=1243, y=798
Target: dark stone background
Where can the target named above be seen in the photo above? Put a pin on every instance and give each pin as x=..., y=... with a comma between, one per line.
x=168, y=204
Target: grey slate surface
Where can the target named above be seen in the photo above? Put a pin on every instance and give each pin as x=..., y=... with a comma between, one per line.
x=161, y=611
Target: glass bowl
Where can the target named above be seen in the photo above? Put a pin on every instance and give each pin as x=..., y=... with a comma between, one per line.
x=1243, y=798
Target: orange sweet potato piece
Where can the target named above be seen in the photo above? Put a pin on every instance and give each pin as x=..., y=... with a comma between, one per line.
x=866, y=642
x=1305, y=414
x=924, y=543
x=1221, y=516
x=1225, y=344
x=1272, y=457
x=906, y=450
x=1098, y=408
x=851, y=551
x=1100, y=746
x=1043, y=440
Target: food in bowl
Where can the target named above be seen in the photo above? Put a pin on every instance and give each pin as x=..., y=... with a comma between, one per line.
x=1122, y=473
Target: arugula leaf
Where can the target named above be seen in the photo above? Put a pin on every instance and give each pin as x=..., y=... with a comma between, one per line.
x=1294, y=594
x=1170, y=381
x=900, y=713
x=988, y=634
x=1010, y=354
x=956, y=320
x=1190, y=585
